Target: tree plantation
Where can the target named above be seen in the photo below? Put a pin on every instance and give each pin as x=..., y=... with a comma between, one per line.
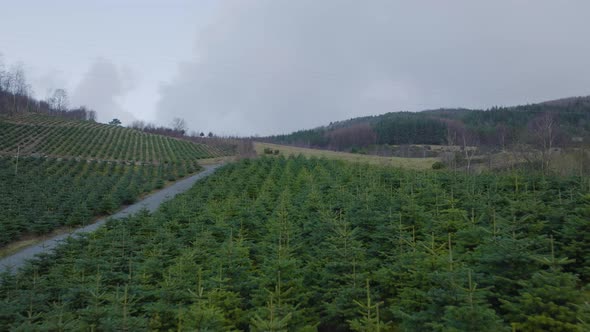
x=38, y=194
x=55, y=136
x=58, y=172
x=297, y=244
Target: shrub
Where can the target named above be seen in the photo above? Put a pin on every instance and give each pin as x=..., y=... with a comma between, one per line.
x=438, y=165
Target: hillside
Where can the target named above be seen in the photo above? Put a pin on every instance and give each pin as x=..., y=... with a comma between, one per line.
x=494, y=128
x=56, y=172
x=35, y=134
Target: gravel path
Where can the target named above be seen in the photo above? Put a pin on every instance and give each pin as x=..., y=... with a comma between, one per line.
x=151, y=203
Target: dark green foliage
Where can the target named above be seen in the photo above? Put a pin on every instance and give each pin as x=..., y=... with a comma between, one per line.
x=56, y=172
x=115, y=122
x=438, y=165
x=58, y=137
x=49, y=193
x=296, y=244
x=409, y=128
x=495, y=127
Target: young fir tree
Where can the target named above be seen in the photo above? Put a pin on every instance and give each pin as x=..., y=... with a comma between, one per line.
x=344, y=269
x=280, y=274
x=204, y=314
x=473, y=313
x=574, y=237
x=550, y=300
x=370, y=320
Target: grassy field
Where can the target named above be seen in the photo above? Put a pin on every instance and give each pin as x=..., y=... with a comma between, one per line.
x=408, y=163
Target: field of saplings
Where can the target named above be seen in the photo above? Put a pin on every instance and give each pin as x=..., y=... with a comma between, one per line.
x=299, y=244
x=38, y=195
x=57, y=137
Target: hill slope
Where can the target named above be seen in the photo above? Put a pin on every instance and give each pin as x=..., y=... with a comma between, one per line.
x=495, y=127
x=56, y=172
x=58, y=137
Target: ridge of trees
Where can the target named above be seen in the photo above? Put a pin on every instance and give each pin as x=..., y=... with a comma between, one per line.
x=17, y=97
x=497, y=127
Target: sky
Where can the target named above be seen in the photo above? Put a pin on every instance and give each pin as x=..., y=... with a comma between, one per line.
x=249, y=67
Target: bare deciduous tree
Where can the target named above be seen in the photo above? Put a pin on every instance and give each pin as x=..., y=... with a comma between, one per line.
x=502, y=132
x=544, y=129
x=469, y=146
x=59, y=100
x=20, y=82
x=245, y=149
x=91, y=116
x=138, y=124
x=179, y=124
x=2, y=73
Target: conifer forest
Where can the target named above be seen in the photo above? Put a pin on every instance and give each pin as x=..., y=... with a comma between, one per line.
x=296, y=244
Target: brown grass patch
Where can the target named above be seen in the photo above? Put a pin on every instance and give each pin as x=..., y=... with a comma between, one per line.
x=409, y=163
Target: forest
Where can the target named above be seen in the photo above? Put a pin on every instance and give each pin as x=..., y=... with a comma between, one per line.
x=296, y=244
x=497, y=127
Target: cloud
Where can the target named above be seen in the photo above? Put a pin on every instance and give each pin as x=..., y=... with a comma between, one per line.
x=102, y=88
x=274, y=66
x=47, y=82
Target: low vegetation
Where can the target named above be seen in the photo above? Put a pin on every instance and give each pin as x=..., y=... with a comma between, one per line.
x=388, y=234
x=38, y=195
x=58, y=137
x=297, y=244
x=57, y=172
x=285, y=150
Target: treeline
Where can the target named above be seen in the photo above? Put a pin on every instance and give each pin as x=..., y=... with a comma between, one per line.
x=17, y=97
x=297, y=244
x=566, y=121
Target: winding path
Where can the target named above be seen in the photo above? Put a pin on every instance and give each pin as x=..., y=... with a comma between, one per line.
x=151, y=203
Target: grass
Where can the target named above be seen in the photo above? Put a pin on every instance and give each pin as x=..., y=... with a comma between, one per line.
x=408, y=163
x=216, y=160
x=33, y=239
x=17, y=246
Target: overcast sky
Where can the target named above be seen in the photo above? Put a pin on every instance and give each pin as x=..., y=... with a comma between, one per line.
x=265, y=67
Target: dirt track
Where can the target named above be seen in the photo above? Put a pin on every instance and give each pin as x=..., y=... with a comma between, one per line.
x=151, y=203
